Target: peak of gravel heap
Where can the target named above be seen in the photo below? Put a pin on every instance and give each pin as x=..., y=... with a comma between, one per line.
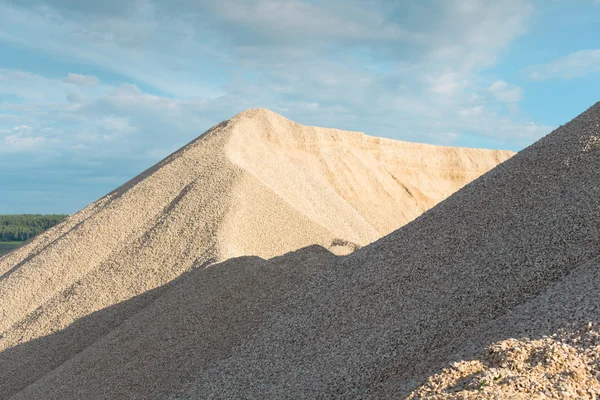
x=255, y=185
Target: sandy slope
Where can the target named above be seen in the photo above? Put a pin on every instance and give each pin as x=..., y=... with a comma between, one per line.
x=257, y=184
x=195, y=321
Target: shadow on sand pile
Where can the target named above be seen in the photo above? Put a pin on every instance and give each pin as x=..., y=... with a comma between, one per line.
x=173, y=332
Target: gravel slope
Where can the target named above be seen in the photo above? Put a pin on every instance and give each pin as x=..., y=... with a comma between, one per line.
x=547, y=347
x=197, y=321
x=364, y=327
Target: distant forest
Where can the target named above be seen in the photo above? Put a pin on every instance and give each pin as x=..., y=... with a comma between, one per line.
x=18, y=228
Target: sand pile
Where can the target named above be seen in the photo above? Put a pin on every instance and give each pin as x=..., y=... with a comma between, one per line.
x=493, y=293
x=255, y=185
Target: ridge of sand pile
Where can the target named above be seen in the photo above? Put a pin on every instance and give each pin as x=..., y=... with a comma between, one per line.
x=257, y=184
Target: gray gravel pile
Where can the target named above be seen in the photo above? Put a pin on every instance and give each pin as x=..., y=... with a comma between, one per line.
x=362, y=328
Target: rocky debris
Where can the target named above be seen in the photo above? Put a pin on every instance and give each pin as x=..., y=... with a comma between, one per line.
x=563, y=366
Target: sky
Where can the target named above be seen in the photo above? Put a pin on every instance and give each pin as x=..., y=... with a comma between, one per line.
x=94, y=92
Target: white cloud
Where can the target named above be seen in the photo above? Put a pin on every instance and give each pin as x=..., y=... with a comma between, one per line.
x=298, y=20
x=19, y=142
x=81, y=80
x=114, y=127
x=447, y=83
x=21, y=129
x=27, y=86
x=470, y=112
x=472, y=33
x=169, y=45
x=19, y=139
x=575, y=65
x=76, y=98
x=108, y=123
x=505, y=92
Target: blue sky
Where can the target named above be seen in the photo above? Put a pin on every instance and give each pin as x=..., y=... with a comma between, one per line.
x=92, y=93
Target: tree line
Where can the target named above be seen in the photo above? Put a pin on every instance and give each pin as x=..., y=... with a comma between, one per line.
x=18, y=228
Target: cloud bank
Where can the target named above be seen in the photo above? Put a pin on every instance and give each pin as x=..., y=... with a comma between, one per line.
x=145, y=77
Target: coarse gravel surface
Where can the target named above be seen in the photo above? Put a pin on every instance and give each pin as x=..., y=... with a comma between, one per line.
x=548, y=347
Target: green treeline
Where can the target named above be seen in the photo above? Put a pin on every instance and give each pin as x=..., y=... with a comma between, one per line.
x=18, y=228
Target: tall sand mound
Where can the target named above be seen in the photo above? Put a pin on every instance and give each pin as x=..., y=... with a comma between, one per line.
x=256, y=185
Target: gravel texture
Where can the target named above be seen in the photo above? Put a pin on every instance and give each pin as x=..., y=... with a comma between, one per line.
x=523, y=369
x=256, y=185
x=553, y=348
x=561, y=325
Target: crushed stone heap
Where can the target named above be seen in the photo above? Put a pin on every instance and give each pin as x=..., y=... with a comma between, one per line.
x=481, y=267
x=492, y=293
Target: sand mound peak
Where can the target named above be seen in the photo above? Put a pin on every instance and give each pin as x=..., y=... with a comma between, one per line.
x=257, y=112
x=256, y=185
